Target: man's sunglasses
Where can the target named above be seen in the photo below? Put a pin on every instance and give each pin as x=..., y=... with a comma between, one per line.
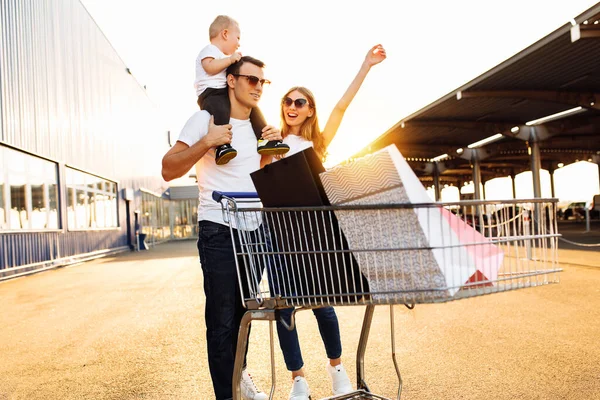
x=253, y=80
x=298, y=102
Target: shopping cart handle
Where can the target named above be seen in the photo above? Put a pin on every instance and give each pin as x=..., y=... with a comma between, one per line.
x=218, y=196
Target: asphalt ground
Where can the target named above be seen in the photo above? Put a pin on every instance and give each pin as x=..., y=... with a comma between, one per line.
x=131, y=326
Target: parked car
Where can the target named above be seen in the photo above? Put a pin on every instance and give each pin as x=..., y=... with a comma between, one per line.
x=576, y=210
x=595, y=207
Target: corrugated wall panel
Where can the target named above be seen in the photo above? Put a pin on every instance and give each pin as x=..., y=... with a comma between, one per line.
x=67, y=95
x=19, y=249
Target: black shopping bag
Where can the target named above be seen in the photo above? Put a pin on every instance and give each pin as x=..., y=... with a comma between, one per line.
x=291, y=182
x=312, y=264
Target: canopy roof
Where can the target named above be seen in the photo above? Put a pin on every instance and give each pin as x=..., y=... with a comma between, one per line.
x=559, y=72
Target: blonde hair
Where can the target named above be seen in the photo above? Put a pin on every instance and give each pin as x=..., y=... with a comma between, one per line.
x=310, y=127
x=219, y=24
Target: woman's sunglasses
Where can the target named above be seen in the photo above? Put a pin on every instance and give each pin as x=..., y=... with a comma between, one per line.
x=253, y=80
x=299, y=103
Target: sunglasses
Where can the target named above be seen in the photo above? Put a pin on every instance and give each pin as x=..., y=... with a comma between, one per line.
x=299, y=103
x=253, y=80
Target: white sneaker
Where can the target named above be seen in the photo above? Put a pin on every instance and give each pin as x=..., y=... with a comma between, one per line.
x=340, y=383
x=249, y=389
x=300, y=390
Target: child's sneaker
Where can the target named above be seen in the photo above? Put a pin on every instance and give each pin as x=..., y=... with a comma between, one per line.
x=340, y=383
x=249, y=389
x=272, y=147
x=224, y=153
x=300, y=390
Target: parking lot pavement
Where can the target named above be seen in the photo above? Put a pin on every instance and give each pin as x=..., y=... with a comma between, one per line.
x=131, y=327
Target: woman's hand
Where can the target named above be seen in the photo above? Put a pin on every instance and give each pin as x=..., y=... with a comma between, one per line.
x=375, y=55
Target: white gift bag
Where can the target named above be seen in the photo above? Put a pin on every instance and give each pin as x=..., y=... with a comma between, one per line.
x=422, y=254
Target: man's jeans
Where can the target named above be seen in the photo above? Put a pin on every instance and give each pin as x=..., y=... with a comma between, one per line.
x=224, y=309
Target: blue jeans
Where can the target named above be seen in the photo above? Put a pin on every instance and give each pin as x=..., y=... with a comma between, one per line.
x=281, y=285
x=288, y=340
x=224, y=309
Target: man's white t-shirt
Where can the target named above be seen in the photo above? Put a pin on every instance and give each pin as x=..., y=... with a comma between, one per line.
x=296, y=143
x=231, y=177
x=203, y=79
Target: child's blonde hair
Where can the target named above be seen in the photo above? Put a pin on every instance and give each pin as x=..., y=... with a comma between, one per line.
x=220, y=23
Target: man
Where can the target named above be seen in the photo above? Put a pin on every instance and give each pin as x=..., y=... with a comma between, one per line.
x=196, y=146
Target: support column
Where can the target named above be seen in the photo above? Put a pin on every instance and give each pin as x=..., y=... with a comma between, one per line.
x=484, y=196
x=476, y=176
x=551, y=171
x=436, y=182
x=598, y=164
x=514, y=184
x=536, y=166
x=476, y=189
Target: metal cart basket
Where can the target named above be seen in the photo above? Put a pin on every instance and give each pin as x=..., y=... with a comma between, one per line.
x=389, y=254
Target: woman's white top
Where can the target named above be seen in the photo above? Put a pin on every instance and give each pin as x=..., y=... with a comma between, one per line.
x=296, y=143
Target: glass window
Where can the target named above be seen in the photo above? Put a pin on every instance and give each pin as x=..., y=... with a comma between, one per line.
x=92, y=201
x=38, y=209
x=53, y=206
x=28, y=191
x=154, y=218
x=113, y=211
x=18, y=208
x=82, y=212
x=100, y=201
x=51, y=181
x=71, y=209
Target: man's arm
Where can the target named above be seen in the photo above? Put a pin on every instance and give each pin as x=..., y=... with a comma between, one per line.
x=181, y=157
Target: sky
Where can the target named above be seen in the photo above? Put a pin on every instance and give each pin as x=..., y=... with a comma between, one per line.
x=321, y=44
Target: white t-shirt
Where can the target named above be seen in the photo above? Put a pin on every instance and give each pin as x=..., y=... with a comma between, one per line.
x=231, y=177
x=296, y=143
x=203, y=79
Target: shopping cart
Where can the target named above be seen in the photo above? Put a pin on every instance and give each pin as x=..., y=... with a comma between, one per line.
x=391, y=254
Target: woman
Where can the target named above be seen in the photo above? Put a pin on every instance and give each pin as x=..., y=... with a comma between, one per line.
x=300, y=130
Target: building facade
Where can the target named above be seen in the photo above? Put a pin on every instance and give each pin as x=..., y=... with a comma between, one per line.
x=80, y=142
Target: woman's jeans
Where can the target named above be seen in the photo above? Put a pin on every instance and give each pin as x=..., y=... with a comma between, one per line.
x=288, y=340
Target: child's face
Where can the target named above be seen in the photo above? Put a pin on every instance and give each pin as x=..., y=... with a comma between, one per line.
x=232, y=40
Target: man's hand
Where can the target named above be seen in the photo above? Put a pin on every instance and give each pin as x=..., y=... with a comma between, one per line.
x=217, y=134
x=269, y=132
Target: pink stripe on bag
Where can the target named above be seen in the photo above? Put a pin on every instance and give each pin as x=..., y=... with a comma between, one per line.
x=487, y=257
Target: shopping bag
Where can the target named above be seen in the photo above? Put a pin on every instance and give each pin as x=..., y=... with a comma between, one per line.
x=422, y=257
x=311, y=262
x=291, y=181
x=487, y=257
